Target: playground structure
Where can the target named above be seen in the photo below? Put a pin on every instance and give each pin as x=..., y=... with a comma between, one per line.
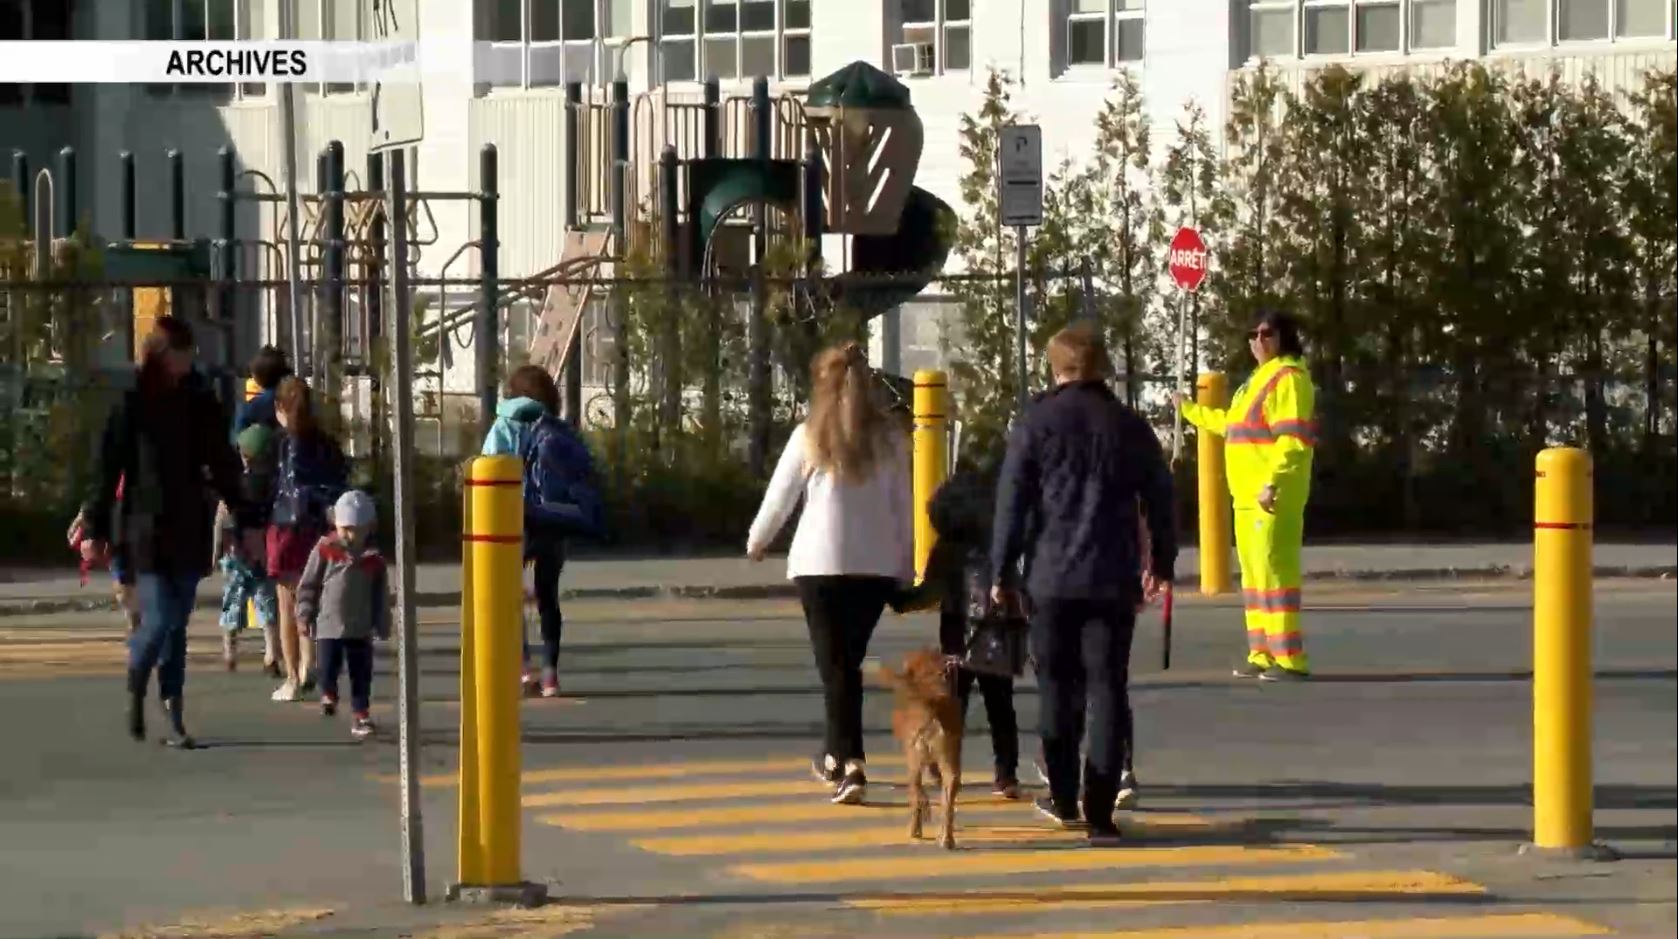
x=705, y=188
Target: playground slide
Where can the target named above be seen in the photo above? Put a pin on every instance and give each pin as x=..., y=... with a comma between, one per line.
x=910, y=259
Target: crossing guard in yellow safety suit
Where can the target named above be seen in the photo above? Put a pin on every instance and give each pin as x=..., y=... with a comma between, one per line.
x=1268, y=436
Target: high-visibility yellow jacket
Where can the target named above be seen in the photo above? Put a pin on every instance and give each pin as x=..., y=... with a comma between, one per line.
x=1269, y=432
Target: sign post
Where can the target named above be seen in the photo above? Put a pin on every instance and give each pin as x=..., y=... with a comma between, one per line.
x=1020, y=199
x=395, y=123
x=1186, y=260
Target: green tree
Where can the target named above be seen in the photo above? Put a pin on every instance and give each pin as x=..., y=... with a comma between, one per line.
x=1194, y=197
x=1255, y=240
x=1649, y=183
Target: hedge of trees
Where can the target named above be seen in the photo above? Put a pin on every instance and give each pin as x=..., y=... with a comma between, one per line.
x=1486, y=265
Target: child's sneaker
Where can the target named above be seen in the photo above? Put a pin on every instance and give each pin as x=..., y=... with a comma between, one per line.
x=362, y=728
x=328, y=706
x=550, y=683
x=285, y=692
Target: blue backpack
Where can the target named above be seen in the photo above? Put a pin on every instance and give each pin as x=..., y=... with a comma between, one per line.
x=560, y=495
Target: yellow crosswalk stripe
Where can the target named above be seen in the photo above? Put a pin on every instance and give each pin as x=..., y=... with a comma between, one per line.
x=771, y=813
x=1021, y=832
x=780, y=766
x=1525, y=925
x=1276, y=888
x=980, y=863
x=687, y=792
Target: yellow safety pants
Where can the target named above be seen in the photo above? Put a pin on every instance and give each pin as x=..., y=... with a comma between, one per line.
x=1268, y=547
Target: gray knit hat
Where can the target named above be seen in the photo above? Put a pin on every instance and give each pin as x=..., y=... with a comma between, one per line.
x=355, y=509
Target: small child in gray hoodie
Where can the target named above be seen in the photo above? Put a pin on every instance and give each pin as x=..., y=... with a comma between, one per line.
x=343, y=603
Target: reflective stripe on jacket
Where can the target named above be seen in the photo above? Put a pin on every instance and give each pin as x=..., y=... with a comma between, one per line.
x=1269, y=433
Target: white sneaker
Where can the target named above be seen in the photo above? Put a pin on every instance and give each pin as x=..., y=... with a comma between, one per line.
x=285, y=692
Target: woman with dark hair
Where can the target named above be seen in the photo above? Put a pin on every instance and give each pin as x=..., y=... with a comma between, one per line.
x=163, y=441
x=1269, y=433
x=310, y=477
x=559, y=497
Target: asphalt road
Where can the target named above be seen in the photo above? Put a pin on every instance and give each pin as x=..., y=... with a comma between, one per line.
x=667, y=796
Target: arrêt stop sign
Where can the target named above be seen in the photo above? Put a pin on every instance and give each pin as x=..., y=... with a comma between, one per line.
x=1186, y=258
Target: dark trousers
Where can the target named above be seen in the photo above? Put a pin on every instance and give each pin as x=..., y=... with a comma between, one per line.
x=166, y=602
x=1082, y=649
x=996, y=690
x=358, y=655
x=841, y=613
x=548, y=561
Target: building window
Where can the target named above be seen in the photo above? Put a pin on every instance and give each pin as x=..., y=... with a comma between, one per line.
x=1547, y=22
x=1105, y=32
x=1291, y=28
x=546, y=43
x=733, y=40
x=936, y=37
x=206, y=21
x=1270, y=28
x=22, y=20
x=1433, y=24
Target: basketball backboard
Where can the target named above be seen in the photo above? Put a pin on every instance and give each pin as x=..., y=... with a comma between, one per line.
x=398, y=116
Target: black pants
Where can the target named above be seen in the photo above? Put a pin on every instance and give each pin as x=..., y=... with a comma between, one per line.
x=996, y=690
x=1082, y=648
x=841, y=613
x=548, y=560
x=358, y=654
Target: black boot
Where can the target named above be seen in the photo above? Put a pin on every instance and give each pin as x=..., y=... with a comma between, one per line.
x=178, y=737
x=136, y=704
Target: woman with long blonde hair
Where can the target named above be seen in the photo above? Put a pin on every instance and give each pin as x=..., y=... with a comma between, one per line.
x=849, y=464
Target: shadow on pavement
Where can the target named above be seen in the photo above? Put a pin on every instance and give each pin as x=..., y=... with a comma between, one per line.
x=1306, y=792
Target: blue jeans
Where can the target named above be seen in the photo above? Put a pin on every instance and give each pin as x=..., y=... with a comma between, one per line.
x=358, y=655
x=1082, y=650
x=165, y=604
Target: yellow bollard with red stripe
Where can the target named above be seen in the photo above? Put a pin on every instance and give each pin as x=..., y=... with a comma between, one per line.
x=931, y=456
x=468, y=834
x=1212, y=391
x=1561, y=656
x=494, y=540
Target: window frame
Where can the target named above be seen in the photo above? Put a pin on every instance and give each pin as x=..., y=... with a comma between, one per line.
x=939, y=27
x=1403, y=9
x=1552, y=38
x=28, y=94
x=232, y=92
x=529, y=51
x=700, y=38
x=1109, y=17
x=1303, y=17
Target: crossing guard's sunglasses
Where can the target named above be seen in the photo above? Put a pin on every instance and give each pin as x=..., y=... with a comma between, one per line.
x=1263, y=332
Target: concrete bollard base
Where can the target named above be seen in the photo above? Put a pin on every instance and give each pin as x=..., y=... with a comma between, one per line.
x=525, y=895
x=1589, y=852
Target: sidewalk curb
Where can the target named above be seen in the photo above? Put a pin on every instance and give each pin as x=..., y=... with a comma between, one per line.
x=786, y=591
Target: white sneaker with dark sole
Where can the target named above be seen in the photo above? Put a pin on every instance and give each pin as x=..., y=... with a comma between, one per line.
x=852, y=788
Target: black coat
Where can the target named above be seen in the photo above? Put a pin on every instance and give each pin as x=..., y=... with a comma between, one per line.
x=1079, y=463
x=172, y=448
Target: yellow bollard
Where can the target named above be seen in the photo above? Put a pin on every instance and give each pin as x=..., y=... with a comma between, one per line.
x=932, y=456
x=497, y=538
x=1214, y=510
x=1561, y=654
x=470, y=854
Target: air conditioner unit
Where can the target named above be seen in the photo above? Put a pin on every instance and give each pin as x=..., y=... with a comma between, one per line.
x=911, y=58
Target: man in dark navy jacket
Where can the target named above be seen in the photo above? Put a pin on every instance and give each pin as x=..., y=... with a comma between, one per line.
x=1079, y=465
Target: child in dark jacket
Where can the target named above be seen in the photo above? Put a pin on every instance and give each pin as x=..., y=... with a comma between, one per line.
x=343, y=603
x=958, y=579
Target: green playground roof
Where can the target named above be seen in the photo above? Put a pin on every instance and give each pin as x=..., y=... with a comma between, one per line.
x=859, y=85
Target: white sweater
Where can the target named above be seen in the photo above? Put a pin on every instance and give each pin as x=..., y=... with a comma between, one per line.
x=861, y=528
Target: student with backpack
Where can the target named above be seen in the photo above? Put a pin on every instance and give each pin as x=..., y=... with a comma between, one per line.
x=311, y=475
x=560, y=496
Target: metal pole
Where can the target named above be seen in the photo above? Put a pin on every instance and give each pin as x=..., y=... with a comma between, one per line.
x=407, y=620
x=177, y=195
x=130, y=208
x=294, y=210
x=572, y=393
x=488, y=331
x=375, y=315
x=1178, y=380
x=20, y=179
x=711, y=144
x=1024, y=392
x=620, y=248
x=670, y=371
x=226, y=258
x=67, y=185
x=333, y=314
x=757, y=328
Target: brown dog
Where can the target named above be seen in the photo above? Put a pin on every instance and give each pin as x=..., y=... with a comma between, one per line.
x=926, y=719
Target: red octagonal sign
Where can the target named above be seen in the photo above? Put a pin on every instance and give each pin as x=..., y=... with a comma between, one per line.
x=1187, y=259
